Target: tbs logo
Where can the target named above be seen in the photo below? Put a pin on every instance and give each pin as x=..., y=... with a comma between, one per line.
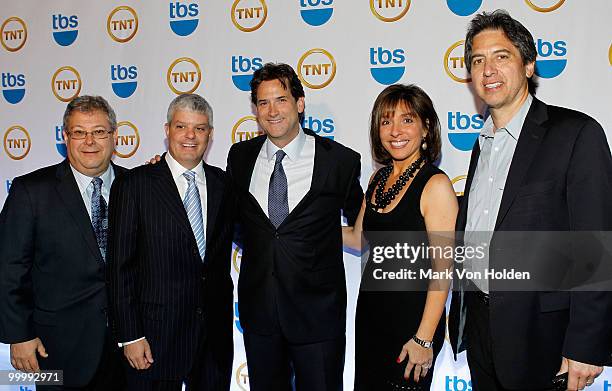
x=460, y=128
x=65, y=29
x=457, y=384
x=8, y=185
x=245, y=129
x=553, y=61
x=66, y=83
x=123, y=80
x=17, y=142
x=184, y=76
x=242, y=71
x=454, y=63
x=249, y=15
x=122, y=24
x=324, y=127
x=183, y=18
x=389, y=10
x=463, y=7
x=387, y=64
x=13, y=87
x=60, y=143
x=316, y=12
x=13, y=34
x=316, y=68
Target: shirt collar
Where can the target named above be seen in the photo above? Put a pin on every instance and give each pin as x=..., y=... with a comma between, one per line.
x=515, y=125
x=293, y=149
x=178, y=170
x=83, y=181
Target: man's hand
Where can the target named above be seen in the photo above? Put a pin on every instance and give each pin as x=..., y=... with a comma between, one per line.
x=139, y=354
x=23, y=355
x=153, y=160
x=579, y=374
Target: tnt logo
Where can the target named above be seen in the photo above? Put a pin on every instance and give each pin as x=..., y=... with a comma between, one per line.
x=128, y=139
x=316, y=12
x=454, y=181
x=60, y=143
x=249, y=15
x=389, y=10
x=66, y=83
x=122, y=24
x=123, y=80
x=13, y=87
x=387, y=64
x=552, y=62
x=317, y=68
x=454, y=63
x=322, y=126
x=457, y=384
x=65, y=30
x=13, y=34
x=184, y=76
x=463, y=7
x=460, y=128
x=183, y=17
x=17, y=142
x=245, y=129
x=544, y=5
x=242, y=377
x=242, y=71
x=236, y=257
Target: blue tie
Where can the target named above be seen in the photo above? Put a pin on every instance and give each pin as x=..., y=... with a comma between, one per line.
x=99, y=217
x=193, y=206
x=278, y=203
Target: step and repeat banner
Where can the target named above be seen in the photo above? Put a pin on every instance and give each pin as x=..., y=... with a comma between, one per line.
x=139, y=55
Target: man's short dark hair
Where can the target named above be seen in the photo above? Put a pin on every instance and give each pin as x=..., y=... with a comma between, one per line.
x=281, y=72
x=518, y=34
x=417, y=101
x=89, y=104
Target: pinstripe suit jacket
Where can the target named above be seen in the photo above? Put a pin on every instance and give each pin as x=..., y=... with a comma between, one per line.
x=160, y=288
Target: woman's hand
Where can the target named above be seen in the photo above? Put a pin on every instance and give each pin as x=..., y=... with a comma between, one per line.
x=419, y=358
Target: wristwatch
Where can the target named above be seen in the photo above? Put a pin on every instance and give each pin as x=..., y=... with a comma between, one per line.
x=423, y=343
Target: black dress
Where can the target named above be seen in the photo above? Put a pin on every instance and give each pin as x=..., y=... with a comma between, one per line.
x=385, y=321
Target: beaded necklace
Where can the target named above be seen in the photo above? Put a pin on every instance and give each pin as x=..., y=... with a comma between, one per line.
x=384, y=198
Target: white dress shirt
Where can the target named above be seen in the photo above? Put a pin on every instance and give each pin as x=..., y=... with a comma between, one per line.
x=86, y=187
x=298, y=166
x=177, y=171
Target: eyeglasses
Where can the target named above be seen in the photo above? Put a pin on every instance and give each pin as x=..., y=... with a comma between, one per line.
x=97, y=134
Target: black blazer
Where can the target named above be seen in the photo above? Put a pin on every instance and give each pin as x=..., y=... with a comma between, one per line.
x=560, y=179
x=52, y=282
x=292, y=277
x=160, y=288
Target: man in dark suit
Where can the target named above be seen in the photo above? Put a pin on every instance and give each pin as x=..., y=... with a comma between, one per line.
x=534, y=167
x=291, y=186
x=169, y=255
x=53, y=295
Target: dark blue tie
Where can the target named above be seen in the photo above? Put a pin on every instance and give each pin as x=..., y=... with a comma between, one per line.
x=99, y=217
x=278, y=203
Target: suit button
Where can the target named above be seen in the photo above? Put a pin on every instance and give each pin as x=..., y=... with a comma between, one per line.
x=199, y=311
x=203, y=278
x=276, y=235
x=196, y=252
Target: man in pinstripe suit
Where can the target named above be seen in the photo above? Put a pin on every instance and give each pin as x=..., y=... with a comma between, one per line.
x=169, y=252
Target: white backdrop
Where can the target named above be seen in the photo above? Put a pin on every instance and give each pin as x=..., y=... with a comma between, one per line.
x=139, y=54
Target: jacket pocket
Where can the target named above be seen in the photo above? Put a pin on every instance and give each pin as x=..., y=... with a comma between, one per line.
x=46, y=318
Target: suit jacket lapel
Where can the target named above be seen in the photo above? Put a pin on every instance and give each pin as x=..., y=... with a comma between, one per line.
x=214, y=192
x=526, y=148
x=71, y=196
x=462, y=216
x=168, y=193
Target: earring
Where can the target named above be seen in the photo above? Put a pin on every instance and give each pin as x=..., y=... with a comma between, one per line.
x=424, y=145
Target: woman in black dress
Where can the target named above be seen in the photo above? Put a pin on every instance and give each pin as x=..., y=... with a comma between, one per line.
x=399, y=333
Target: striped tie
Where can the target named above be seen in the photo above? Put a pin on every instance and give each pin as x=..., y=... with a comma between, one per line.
x=193, y=206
